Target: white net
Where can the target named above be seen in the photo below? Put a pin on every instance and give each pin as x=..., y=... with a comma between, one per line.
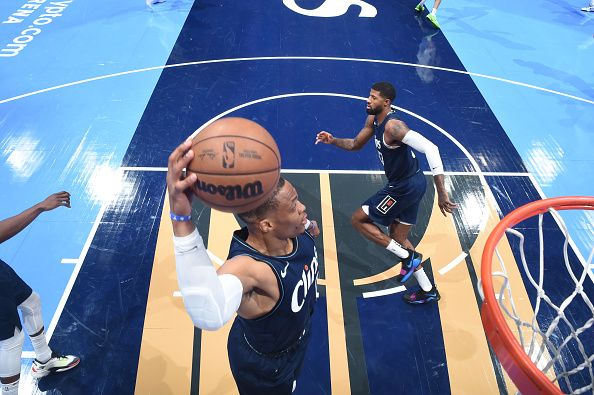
x=559, y=337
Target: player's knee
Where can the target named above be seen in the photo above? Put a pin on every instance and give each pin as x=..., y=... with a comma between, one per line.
x=10, y=356
x=32, y=317
x=360, y=216
x=32, y=304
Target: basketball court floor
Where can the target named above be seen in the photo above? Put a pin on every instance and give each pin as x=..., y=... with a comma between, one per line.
x=95, y=95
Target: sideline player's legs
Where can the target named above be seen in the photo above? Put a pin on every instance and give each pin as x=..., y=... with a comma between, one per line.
x=432, y=16
x=16, y=294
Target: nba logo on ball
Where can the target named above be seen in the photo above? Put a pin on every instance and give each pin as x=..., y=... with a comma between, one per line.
x=229, y=154
x=246, y=174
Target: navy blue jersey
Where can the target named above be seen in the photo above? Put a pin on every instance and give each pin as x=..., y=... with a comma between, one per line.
x=399, y=161
x=297, y=275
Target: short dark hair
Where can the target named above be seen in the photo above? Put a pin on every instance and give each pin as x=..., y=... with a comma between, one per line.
x=263, y=209
x=385, y=89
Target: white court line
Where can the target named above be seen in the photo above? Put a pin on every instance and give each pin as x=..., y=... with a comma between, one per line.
x=273, y=58
x=310, y=171
x=383, y=292
x=52, y=326
x=125, y=168
x=70, y=260
x=452, y=264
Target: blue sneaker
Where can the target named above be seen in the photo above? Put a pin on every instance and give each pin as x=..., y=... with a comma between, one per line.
x=409, y=265
x=420, y=296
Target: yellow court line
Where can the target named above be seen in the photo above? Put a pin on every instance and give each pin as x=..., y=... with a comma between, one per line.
x=339, y=369
x=385, y=275
x=165, y=360
x=469, y=363
x=215, y=372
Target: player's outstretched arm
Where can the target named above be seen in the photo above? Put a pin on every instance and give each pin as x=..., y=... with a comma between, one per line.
x=348, y=144
x=210, y=299
x=13, y=225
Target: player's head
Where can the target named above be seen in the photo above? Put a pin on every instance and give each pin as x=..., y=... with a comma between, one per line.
x=380, y=98
x=282, y=214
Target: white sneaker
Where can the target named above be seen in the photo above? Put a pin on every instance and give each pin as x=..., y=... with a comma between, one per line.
x=588, y=9
x=57, y=363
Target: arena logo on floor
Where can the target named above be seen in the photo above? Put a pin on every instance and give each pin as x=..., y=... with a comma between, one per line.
x=333, y=8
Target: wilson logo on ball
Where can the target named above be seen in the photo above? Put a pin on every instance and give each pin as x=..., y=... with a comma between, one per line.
x=229, y=154
x=232, y=192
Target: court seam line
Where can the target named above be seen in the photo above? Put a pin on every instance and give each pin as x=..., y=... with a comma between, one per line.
x=317, y=58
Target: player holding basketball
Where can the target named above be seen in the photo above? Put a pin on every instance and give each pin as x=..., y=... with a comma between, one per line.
x=397, y=204
x=15, y=295
x=269, y=279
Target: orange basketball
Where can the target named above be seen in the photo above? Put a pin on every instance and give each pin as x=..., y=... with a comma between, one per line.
x=237, y=163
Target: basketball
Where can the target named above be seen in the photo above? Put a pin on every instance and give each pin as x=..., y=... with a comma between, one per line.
x=237, y=163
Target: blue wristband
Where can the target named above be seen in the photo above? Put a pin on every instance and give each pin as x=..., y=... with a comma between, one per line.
x=180, y=218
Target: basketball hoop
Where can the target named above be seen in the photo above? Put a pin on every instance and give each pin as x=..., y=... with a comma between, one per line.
x=512, y=352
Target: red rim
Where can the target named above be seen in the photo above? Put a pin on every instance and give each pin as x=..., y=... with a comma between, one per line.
x=524, y=373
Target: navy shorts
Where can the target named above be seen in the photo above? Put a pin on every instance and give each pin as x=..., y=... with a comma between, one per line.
x=398, y=201
x=13, y=292
x=264, y=374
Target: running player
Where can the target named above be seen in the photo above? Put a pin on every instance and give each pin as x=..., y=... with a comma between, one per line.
x=397, y=204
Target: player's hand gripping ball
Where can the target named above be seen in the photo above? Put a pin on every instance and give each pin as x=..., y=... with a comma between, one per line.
x=237, y=163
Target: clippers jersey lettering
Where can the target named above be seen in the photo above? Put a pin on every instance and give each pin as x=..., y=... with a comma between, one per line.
x=296, y=275
x=399, y=161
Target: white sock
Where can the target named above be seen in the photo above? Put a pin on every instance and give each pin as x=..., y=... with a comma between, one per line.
x=42, y=351
x=397, y=249
x=10, y=389
x=422, y=2
x=423, y=280
x=434, y=11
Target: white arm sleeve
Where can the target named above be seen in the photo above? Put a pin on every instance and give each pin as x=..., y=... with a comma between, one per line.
x=421, y=144
x=210, y=299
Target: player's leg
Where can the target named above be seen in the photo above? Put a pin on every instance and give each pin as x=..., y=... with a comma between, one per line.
x=427, y=292
x=254, y=373
x=11, y=349
x=432, y=16
x=399, y=233
x=46, y=361
x=13, y=290
x=383, y=208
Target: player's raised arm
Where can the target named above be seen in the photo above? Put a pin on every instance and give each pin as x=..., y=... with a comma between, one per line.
x=210, y=299
x=398, y=131
x=353, y=144
x=13, y=225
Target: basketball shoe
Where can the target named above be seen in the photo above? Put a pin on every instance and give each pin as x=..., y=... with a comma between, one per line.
x=420, y=296
x=409, y=265
x=57, y=363
x=433, y=19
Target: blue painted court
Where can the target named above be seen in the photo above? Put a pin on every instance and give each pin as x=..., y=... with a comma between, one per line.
x=95, y=96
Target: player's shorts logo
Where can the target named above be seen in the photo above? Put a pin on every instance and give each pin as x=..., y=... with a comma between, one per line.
x=386, y=204
x=229, y=154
